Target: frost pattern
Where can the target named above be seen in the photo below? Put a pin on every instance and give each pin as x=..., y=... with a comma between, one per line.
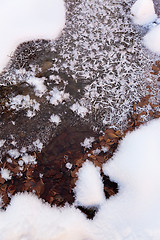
x=101, y=48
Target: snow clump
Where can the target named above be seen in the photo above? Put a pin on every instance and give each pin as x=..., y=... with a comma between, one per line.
x=27, y=217
x=88, y=142
x=152, y=39
x=57, y=96
x=38, y=84
x=89, y=187
x=24, y=102
x=2, y=142
x=38, y=145
x=55, y=119
x=5, y=173
x=143, y=12
x=79, y=109
x=14, y=153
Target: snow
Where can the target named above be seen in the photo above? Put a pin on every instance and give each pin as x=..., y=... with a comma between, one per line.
x=38, y=84
x=133, y=213
x=38, y=145
x=26, y=20
x=104, y=149
x=24, y=102
x=55, y=119
x=14, y=153
x=143, y=12
x=2, y=142
x=27, y=159
x=27, y=218
x=68, y=165
x=79, y=109
x=57, y=96
x=6, y=174
x=88, y=142
x=89, y=187
x=152, y=39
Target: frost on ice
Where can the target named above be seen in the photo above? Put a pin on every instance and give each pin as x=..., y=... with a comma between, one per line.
x=26, y=20
x=24, y=102
x=79, y=109
x=55, y=119
x=88, y=142
x=57, y=96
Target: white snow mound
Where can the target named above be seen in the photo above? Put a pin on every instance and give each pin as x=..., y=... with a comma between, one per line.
x=152, y=39
x=89, y=187
x=134, y=212
x=26, y=20
x=143, y=12
x=27, y=218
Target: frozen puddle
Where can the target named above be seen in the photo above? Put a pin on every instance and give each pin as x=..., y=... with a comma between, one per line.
x=92, y=74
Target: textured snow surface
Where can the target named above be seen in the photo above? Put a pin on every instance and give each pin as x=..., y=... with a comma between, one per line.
x=134, y=213
x=26, y=20
x=143, y=12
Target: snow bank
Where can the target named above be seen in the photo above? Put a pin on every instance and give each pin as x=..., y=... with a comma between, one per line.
x=143, y=12
x=89, y=187
x=134, y=212
x=26, y=20
x=27, y=218
x=152, y=39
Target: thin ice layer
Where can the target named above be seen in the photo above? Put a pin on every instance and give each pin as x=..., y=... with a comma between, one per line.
x=101, y=49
